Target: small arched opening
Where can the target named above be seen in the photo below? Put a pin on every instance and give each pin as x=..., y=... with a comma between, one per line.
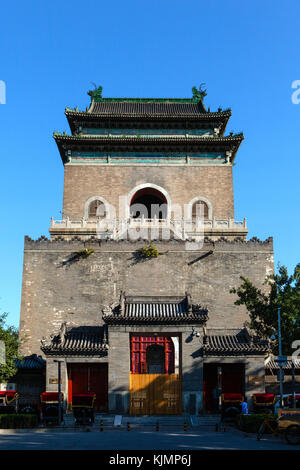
x=96, y=210
x=200, y=209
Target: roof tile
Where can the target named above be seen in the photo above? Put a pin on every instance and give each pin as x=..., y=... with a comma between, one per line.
x=157, y=310
x=241, y=343
x=77, y=340
x=142, y=108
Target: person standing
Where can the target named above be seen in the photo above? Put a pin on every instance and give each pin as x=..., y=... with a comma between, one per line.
x=245, y=407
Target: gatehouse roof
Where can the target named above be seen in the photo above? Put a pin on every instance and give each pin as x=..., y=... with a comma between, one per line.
x=241, y=343
x=155, y=310
x=82, y=340
x=31, y=362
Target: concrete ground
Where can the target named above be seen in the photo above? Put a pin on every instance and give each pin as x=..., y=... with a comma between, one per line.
x=121, y=439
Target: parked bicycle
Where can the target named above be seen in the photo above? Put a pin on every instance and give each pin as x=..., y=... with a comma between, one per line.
x=292, y=434
x=268, y=424
x=287, y=423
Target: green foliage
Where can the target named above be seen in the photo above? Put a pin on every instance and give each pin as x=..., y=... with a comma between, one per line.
x=77, y=255
x=252, y=422
x=8, y=334
x=282, y=291
x=149, y=251
x=16, y=421
x=85, y=253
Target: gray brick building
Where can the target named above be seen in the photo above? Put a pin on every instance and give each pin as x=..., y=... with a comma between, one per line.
x=132, y=289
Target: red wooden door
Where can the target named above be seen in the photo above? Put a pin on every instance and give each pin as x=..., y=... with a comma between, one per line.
x=79, y=378
x=139, y=346
x=233, y=376
x=98, y=383
x=210, y=384
x=83, y=378
x=232, y=380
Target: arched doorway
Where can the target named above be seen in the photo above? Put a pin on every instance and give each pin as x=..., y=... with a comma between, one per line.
x=150, y=203
x=155, y=358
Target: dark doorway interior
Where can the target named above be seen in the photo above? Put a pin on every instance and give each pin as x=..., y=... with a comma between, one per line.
x=84, y=378
x=231, y=379
x=150, y=203
x=155, y=357
x=210, y=385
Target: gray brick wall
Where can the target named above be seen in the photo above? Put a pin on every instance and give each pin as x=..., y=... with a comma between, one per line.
x=55, y=291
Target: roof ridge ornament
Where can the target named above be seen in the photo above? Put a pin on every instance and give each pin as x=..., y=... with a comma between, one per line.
x=62, y=332
x=198, y=95
x=96, y=94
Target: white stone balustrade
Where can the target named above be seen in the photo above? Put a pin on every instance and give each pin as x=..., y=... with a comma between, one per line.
x=114, y=227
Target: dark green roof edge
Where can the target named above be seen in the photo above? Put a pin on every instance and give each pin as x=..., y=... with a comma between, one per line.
x=206, y=115
x=146, y=100
x=87, y=137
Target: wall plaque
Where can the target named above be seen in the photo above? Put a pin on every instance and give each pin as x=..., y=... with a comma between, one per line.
x=53, y=380
x=255, y=380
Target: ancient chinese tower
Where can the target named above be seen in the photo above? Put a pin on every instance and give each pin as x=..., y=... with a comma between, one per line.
x=132, y=289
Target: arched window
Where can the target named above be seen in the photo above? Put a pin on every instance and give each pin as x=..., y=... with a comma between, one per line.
x=96, y=209
x=200, y=209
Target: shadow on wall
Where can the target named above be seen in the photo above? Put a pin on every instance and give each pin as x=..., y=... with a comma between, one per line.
x=176, y=394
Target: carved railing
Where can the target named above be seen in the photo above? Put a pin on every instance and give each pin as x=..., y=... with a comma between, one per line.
x=113, y=225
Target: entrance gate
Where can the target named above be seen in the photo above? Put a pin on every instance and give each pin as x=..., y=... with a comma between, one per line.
x=83, y=378
x=231, y=381
x=154, y=394
x=154, y=386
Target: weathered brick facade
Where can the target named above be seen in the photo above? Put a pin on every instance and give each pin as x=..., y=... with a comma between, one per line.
x=75, y=293
x=182, y=184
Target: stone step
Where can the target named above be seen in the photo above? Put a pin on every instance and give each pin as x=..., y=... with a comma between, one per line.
x=108, y=420
x=208, y=423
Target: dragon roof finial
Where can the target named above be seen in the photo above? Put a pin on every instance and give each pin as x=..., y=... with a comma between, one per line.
x=96, y=93
x=199, y=94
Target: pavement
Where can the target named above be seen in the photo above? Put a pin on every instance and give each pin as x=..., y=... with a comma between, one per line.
x=182, y=433
x=139, y=439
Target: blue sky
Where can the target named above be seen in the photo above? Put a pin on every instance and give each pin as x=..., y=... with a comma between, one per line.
x=246, y=53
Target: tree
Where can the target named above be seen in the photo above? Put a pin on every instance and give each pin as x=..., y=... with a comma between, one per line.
x=8, y=334
x=282, y=291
